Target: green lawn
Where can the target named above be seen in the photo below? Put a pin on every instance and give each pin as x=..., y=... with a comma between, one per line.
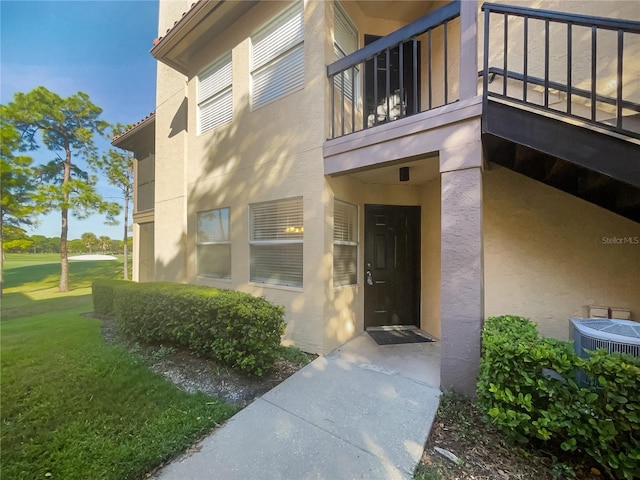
x=30, y=283
x=73, y=406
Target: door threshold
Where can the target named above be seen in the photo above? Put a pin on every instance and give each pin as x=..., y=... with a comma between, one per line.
x=392, y=327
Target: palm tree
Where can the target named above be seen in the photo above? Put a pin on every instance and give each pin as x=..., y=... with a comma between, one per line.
x=105, y=243
x=89, y=239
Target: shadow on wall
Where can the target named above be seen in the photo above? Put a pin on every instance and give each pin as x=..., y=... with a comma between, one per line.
x=179, y=121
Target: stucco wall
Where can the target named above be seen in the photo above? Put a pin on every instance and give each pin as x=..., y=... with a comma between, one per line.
x=268, y=153
x=171, y=141
x=430, y=302
x=548, y=255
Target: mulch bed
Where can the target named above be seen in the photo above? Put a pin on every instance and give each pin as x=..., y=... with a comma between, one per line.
x=485, y=453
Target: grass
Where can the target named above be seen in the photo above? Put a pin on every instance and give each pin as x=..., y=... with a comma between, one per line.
x=75, y=407
x=30, y=283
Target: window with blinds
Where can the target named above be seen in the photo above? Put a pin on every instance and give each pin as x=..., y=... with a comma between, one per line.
x=276, y=234
x=213, y=244
x=277, y=56
x=345, y=41
x=215, y=98
x=345, y=243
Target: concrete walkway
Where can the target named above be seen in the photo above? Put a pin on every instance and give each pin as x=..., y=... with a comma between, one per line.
x=362, y=412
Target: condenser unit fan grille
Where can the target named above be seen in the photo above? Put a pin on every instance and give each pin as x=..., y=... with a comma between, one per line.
x=613, y=335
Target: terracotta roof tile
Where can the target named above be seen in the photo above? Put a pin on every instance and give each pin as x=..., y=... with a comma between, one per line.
x=156, y=41
x=134, y=126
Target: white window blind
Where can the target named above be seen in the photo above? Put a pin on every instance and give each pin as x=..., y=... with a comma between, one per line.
x=215, y=98
x=345, y=42
x=277, y=56
x=345, y=244
x=213, y=243
x=276, y=242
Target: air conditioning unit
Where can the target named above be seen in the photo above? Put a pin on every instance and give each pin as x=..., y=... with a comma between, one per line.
x=613, y=335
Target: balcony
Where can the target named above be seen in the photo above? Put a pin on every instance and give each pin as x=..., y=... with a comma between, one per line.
x=412, y=70
x=560, y=103
x=566, y=114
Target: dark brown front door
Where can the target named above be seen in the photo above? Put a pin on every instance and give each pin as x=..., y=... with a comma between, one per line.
x=392, y=266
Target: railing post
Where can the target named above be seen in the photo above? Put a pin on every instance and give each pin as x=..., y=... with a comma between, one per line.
x=468, y=49
x=619, y=79
x=485, y=62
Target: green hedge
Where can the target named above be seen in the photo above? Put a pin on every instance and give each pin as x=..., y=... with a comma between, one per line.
x=527, y=387
x=234, y=328
x=102, y=293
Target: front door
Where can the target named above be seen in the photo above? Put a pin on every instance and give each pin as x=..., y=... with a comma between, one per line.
x=392, y=266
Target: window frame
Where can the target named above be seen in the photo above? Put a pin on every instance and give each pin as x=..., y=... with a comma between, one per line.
x=353, y=243
x=226, y=242
x=224, y=62
x=281, y=241
x=261, y=65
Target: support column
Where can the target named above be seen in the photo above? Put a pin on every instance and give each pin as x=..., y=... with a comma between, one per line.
x=462, y=293
x=468, y=49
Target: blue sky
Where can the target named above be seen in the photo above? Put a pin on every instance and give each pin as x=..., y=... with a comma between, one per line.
x=98, y=47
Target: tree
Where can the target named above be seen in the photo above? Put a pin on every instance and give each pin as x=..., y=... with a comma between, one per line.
x=117, y=165
x=67, y=127
x=16, y=185
x=16, y=239
x=40, y=242
x=105, y=243
x=75, y=245
x=89, y=240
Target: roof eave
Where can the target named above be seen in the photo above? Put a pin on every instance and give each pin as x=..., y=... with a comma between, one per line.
x=126, y=140
x=204, y=20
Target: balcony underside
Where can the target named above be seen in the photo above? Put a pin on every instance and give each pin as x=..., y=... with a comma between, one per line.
x=590, y=185
x=591, y=148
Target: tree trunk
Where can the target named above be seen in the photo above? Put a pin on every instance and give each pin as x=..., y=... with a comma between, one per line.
x=64, y=256
x=126, y=237
x=1, y=256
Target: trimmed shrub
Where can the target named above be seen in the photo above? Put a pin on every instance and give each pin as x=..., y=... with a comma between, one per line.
x=102, y=293
x=527, y=387
x=234, y=328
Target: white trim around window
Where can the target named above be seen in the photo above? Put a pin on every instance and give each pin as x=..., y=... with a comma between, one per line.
x=277, y=56
x=213, y=243
x=215, y=95
x=276, y=236
x=345, y=243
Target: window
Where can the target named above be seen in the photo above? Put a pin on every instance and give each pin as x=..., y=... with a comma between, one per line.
x=345, y=243
x=345, y=42
x=215, y=102
x=214, y=244
x=275, y=237
x=277, y=56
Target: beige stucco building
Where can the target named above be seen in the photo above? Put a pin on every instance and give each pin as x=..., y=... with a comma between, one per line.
x=340, y=159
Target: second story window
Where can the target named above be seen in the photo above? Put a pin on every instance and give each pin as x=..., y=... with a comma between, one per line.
x=345, y=42
x=277, y=56
x=215, y=102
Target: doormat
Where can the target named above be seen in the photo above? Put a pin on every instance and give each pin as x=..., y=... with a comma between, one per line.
x=396, y=337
